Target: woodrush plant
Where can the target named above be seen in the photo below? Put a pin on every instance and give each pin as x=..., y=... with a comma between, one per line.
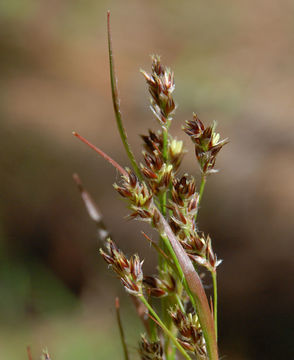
x=156, y=193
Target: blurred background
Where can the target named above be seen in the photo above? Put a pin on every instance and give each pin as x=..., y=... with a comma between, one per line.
x=233, y=63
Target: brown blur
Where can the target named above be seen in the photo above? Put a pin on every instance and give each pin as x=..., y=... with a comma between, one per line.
x=233, y=63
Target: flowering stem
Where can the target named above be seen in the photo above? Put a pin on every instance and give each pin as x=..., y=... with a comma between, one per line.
x=214, y=280
x=164, y=328
x=179, y=301
x=201, y=190
x=116, y=105
x=179, y=268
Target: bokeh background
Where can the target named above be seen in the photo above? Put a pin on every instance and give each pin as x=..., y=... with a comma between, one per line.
x=233, y=62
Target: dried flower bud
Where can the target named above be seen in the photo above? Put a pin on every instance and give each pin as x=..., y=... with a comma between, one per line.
x=150, y=350
x=161, y=86
x=207, y=143
x=128, y=271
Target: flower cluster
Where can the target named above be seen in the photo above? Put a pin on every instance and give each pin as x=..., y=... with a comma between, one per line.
x=183, y=204
x=207, y=143
x=161, y=86
x=138, y=195
x=157, y=194
x=199, y=249
x=149, y=350
x=157, y=170
x=128, y=271
x=190, y=330
x=161, y=285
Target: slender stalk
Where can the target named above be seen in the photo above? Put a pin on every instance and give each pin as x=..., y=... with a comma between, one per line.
x=116, y=104
x=101, y=153
x=214, y=280
x=165, y=329
x=121, y=330
x=29, y=352
x=201, y=190
x=179, y=269
x=153, y=328
x=179, y=301
x=165, y=302
x=165, y=140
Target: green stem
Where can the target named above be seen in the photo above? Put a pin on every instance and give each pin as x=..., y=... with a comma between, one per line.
x=165, y=143
x=179, y=268
x=165, y=304
x=201, y=190
x=169, y=349
x=163, y=198
x=164, y=328
x=116, y=104
x=121, y=330
x=179, y=301
x=214, y=280
x=153, y=328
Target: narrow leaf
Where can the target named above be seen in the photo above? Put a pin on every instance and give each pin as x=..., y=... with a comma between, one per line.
x=197, y=290
x=116, y=103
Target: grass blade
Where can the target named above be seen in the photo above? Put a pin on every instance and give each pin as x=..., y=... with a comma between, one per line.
x=116, y=104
